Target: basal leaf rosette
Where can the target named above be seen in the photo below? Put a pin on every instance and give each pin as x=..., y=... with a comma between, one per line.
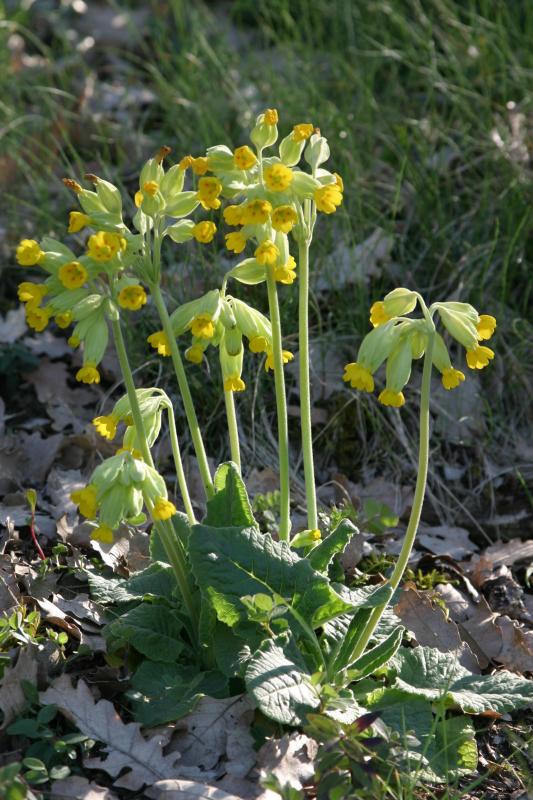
x=397, y=339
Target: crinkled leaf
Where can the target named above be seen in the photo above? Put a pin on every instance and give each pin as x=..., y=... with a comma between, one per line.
x=230, y=505
x=278, y=680
x=153, y=630
x=181, y=529
x=232, y=652
x=157, y=579
x=321, y=555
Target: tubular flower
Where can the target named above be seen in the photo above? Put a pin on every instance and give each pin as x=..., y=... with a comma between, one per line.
x=159, y=342
x=29, y=253
x=150, y=188
x=328, y=198
x=244, y=157
x=233, y=215
x=77, y=221
x=339, y=181
x=132, y=297
x=479, y=357
x=208, y=192
x=258, y=344
x=85, y=499
x=103, y=246
x=63, y=320
x=88, y=374
x=234, y=384
x=271, y=117
x=302, y=131
x=256, y=212
x=390, y=398
x=204, y=231
x=451, y=378
x=163, y=509
x=31, y=293
x=287, y=273
x=106, y=426
x=199, y=165
x=194, y=354
x=186, y=162
x=486, y=326
x=267, y=252
x=278, y=177
x=103, y=533
x=286, y=355
x=359, y=377
x=284, y=218
x=73, y=341
x=203, y=327
x=72, y=275
x=138, y=198
x=37, y=318
x=236, y=242
x=378, y=315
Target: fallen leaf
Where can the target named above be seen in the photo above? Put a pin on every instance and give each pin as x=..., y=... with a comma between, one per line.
x=13, y=325
x=446, y=540
x=188, y=790
x=458, y=421
x=125, y=748
x=262, y=481
x=356, y=265
x=517, y=646
x=9, y=590
x=12, y=698
x=290, y=759
x=77, y=788
x=507, y=553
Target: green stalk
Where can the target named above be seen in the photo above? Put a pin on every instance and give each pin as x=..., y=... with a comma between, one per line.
x=185, y=391
x=281, y=407
x=418, y=500
x=232, y=428
x=173, y=547
x=178, y=463
x=305, y=388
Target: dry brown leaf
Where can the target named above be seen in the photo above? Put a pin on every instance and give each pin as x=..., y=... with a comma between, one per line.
x=13, y=325
x=291, y=759
x=261, y=481
x=188, y=790
x=507, y=553
x=12, y=698
x=86, y=633
x=9, y=589
x=428, y=624
x=446, y=540
x=77, y=788
x=125, y=746
x=517, y=646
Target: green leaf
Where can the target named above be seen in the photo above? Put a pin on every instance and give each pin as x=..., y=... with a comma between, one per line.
x=157, y=579
x=153, y=630
x=426, y=672
x=321, y=555
x=232, y=652
x=376, y=657
x=182, y=530
x=279, y=682
x=230, y=506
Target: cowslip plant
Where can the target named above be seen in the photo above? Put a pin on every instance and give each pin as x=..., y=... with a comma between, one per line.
x=228, y=602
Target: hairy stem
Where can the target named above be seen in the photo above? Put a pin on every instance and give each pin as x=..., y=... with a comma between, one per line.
x=232, y=428
x=305, y=388
x=178, y=463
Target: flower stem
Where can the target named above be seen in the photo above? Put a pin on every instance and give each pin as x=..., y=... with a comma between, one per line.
x=185, y=392
x=418, y=500
x=305, y=388
x=281, y=406
x=178, y=463
x=232, y=428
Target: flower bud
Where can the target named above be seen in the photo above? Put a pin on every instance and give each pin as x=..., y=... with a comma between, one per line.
x=220, y=158
x=109, y=197
x=399, y=365
x=249, y=272
x=181, y=231
x=399, y=302
x=265, y=134
x=232, y=341
x=151, y=171
x=459, y=324
x=172, y=183
x=290, y=151
x=250, y=321
x=183, y=205
x=317, y=151
x=95, y=341
x=441, y=357
x=377, y=345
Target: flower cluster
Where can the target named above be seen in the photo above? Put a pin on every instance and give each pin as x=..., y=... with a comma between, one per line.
x=397, y=339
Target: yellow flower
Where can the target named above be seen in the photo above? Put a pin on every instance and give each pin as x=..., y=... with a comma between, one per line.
x=106, y=426
x=234, y=384
x=88, y=374
x=378, y=315
x=31, y=293
x=194, y=354
x=302, y=131
x=267, y=252
x=132, y=297
x=135, y=453
x=390, y=398
x=233, y=215
x=103, y=246
x=270, y=116
x=77, y=221
x=328, y=197
x=29, y=253
x=163, y=509
x=339, y=181
x=186, y=162
x=258, y=344
x=150, y=188
x=478, y=357
x=451, y=378
x=72, y=275
x=204, y=231
x=284, y=218
x=359, y=377
x=202, y=326
x=138, y=199
x=236, y=242
x=63, y=320
x=200, y=165
x=73, y=341
x=159, y=342
x=286, y=355
x=103, y=533
x=486, y=326
x=256, y=212
x=85, y=499
x=208, y=192
x=287, y=273
x=278, y=177
x=37, y=318
x=244, y=157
